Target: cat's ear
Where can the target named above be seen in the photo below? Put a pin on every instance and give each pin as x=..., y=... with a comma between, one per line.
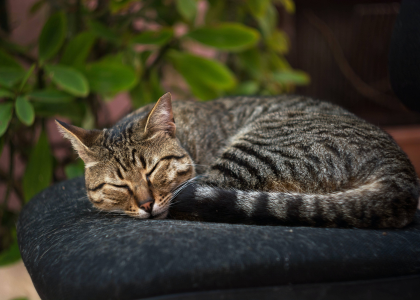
x=161, y=118
x=81, y=139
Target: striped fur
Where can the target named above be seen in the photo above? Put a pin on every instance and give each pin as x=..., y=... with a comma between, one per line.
x=261, y=160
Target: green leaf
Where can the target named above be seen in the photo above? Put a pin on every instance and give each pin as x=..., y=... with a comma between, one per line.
x=144, y=56
x=158, y=37
x=207, y=71
x=187, y=8
x=155, y=85
x=52, y=36
x=215, y=11
x=24, y=111
x=228, y=36
x=291, y=77
x=6, y=61
x=247, y=88
x=289, y=5
x=75, y=169
x=202, y=91
x=101, y=31
x=71, y=110
x=251, y=61
x=141, y=95
x=277, y=62
x=36, y=6
x=39, y=169
x=78, y=49
x=9, y=76
x=11, y=255
x=88, y=121
x=69, y=79
x=117, y=5
x=113, y=58
x=50, y=96
x=6, y=93
x=257, y=7
x=110, y=77
x=278, y=41
x=146, y=92
x=26, y=77
x=6, y=113
x=268, y=21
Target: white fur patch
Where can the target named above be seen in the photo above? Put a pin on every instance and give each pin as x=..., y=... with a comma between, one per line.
x=91, y=164
x=143, y=214
x=276, y=204
x=246, y=201
x=205, y=192
x=158, y=209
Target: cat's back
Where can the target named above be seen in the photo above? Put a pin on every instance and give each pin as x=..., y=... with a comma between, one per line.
x=248, y=108
x=205, y=128
x=241, y=107
x=309, y=144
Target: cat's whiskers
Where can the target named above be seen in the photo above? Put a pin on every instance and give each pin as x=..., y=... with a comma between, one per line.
x=110, y=212
x=83, y=197
x=182, y=186
x=197, y=165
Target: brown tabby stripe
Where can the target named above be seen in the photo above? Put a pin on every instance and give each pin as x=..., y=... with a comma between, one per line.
x=183, y=173
x=143, y=161
x=235, y=159
x=120, y=163
x=169, y=157
x=133, y=157
x=227, y=172
x=120, y=176
x=100, y=186
x=97, y=187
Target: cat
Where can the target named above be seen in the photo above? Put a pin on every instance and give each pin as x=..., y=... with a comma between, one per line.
x=284, y=160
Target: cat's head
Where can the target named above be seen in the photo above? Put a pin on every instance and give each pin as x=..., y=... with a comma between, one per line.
x=134, y=167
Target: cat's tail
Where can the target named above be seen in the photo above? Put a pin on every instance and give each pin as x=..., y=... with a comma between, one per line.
x=378, y=204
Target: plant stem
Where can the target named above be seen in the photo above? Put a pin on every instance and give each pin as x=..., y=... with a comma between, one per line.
x=15, y=49
x=4, y=176
x=159, y=57
x=10, y=175
x=40, y=78
x=78, y=18
x=4, y=20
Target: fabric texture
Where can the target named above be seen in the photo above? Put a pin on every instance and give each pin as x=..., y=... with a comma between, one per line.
x=73, y=251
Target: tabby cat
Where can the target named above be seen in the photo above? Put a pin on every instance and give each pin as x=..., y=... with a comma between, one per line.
x=256, y=160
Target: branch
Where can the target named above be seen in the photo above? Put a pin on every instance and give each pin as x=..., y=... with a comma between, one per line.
x=4, y=20
x=157, y=60
x=8, y=177
x=13, y=49
x=14, y=183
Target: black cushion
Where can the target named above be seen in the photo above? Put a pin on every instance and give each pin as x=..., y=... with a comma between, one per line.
x=73, y=251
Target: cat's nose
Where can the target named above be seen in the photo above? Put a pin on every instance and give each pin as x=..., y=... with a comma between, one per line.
x=147, y=205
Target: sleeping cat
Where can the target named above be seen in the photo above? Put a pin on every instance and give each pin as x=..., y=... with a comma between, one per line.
x=255, y=160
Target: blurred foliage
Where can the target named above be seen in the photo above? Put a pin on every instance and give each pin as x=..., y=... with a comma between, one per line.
x=89, y=51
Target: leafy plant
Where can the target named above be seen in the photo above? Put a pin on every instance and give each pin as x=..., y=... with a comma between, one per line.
x=89, y=51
